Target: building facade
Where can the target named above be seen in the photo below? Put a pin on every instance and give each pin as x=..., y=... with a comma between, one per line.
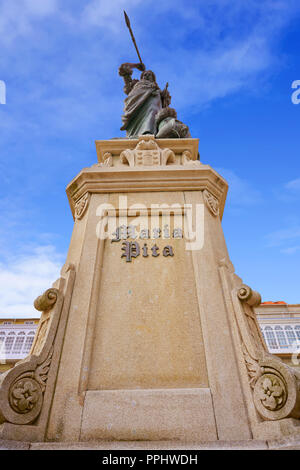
x=279, y=323
x=16, y=338
x=280, y=326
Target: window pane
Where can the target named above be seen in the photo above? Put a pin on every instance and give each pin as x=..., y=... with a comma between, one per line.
x=281, y=337
x=2, y=339
x=8, y=344
x=271, y=340
x=28, y=343
x=297, y=330
x=19, y=344
x=290, y=335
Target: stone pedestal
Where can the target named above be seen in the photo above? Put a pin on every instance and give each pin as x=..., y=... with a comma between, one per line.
x=148, y=334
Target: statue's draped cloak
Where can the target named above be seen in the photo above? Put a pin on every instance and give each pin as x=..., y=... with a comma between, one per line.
x=141, y=107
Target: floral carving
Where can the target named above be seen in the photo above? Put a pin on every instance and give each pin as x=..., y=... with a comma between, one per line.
x=24, y=395
x=81, y=206
x=211, y=202
x=253, y=368
x=271, y=392
x=41, y=373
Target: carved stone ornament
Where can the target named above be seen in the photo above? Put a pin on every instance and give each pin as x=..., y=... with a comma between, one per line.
x=107, y=160
x=187, y=159
x=211, y=202
x=271, y=392
x=147, y=153
x=24, y=395
x=81, y=206
x=249, y=296
x=24, y=388
x=46, y=301
x=26, y=392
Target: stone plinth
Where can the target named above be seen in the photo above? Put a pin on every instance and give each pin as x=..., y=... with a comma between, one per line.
x=148, y=334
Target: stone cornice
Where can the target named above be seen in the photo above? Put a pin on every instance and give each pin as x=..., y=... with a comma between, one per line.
x=101, y=179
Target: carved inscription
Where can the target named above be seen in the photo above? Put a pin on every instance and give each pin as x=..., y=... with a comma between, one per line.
x=134, y=249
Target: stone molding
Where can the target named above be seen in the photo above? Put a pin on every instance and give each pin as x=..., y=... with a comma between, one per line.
x=26, y=388
x=97, y=180
x=273, y=387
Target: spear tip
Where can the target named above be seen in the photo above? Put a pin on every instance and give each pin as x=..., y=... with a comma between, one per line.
x=127, y=19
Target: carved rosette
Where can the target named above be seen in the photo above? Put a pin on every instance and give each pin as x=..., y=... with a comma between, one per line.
x=81, y=206
x=211, y=202
x=270, y=391
x=276, y=391
x=24, y=395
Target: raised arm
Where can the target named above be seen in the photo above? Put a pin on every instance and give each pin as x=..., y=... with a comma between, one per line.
x=125, y=70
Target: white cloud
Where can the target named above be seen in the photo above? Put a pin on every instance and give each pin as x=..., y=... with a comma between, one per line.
x=24, y=278
x=234, y=42
x=293, y=185
x=16, y=18
x=283, y=236
x=240, y=193
x=107, y=13
x=213, y=49
x=291, y=250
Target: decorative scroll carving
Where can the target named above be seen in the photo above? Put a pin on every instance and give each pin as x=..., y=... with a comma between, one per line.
x=186, y=159
x=23, y=388
x=107, y=160
x=251, y=297
x=45, y=302
x=81, y=206
x=275, y=385
x=211, y=202
x=147, y=153
x=167, y=157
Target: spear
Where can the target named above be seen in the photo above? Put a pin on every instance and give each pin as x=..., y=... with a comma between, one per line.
x=132, y=36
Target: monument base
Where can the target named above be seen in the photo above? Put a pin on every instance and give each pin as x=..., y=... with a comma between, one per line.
x=149, y=335
x=179, y=414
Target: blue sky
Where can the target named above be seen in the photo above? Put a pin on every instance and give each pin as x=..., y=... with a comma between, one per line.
x=230, y=65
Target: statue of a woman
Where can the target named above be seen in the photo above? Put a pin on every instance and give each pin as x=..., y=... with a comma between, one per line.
x=144, y=101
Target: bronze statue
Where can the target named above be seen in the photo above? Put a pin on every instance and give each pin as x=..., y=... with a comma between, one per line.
x=146, y=109
x=143, y=102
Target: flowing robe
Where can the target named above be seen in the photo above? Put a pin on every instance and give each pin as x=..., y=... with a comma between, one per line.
x=141, y=106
